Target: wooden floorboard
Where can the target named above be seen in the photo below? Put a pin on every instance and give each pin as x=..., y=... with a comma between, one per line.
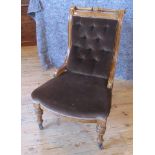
x=70, y=138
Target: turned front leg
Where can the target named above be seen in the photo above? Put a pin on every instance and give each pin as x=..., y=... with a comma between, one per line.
x=100, y=128
x=39, y=113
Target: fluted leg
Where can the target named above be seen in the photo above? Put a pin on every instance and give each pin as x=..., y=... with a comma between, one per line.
x=39, y=113
x=100, y=128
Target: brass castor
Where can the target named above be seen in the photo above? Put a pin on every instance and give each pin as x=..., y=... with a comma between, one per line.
x=100, y=145
x=41, y=126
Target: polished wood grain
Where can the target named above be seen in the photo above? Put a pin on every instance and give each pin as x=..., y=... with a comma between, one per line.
x=116, y=48
x=100, y=128
x=39, y=114
x=28, y=26
x=63, y=137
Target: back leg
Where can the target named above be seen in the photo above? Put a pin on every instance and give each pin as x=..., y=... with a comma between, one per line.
x=39, y=113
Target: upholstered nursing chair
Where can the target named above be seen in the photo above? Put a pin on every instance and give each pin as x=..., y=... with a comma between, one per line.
x=82, y=87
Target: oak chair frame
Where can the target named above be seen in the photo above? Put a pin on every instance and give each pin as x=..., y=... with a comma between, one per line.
x=94, y=13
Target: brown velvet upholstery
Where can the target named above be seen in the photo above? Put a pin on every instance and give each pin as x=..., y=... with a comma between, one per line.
x=82, y=91
x=92, y=46
x=76, y=95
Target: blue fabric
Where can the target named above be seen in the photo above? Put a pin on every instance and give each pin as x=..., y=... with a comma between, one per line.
x=51, y=17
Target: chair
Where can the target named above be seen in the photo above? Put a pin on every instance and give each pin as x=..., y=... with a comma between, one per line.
x=82, y=88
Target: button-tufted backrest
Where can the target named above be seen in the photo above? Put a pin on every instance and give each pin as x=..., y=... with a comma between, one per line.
x=92, y=46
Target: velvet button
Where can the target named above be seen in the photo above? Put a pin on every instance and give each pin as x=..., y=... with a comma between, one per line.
x=89, y=49
x=97, y=40
x=76, y=47
x=92, y=28
x=84, y=37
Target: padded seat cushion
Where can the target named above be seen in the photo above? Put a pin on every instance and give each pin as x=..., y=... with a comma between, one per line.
x=75, y=95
